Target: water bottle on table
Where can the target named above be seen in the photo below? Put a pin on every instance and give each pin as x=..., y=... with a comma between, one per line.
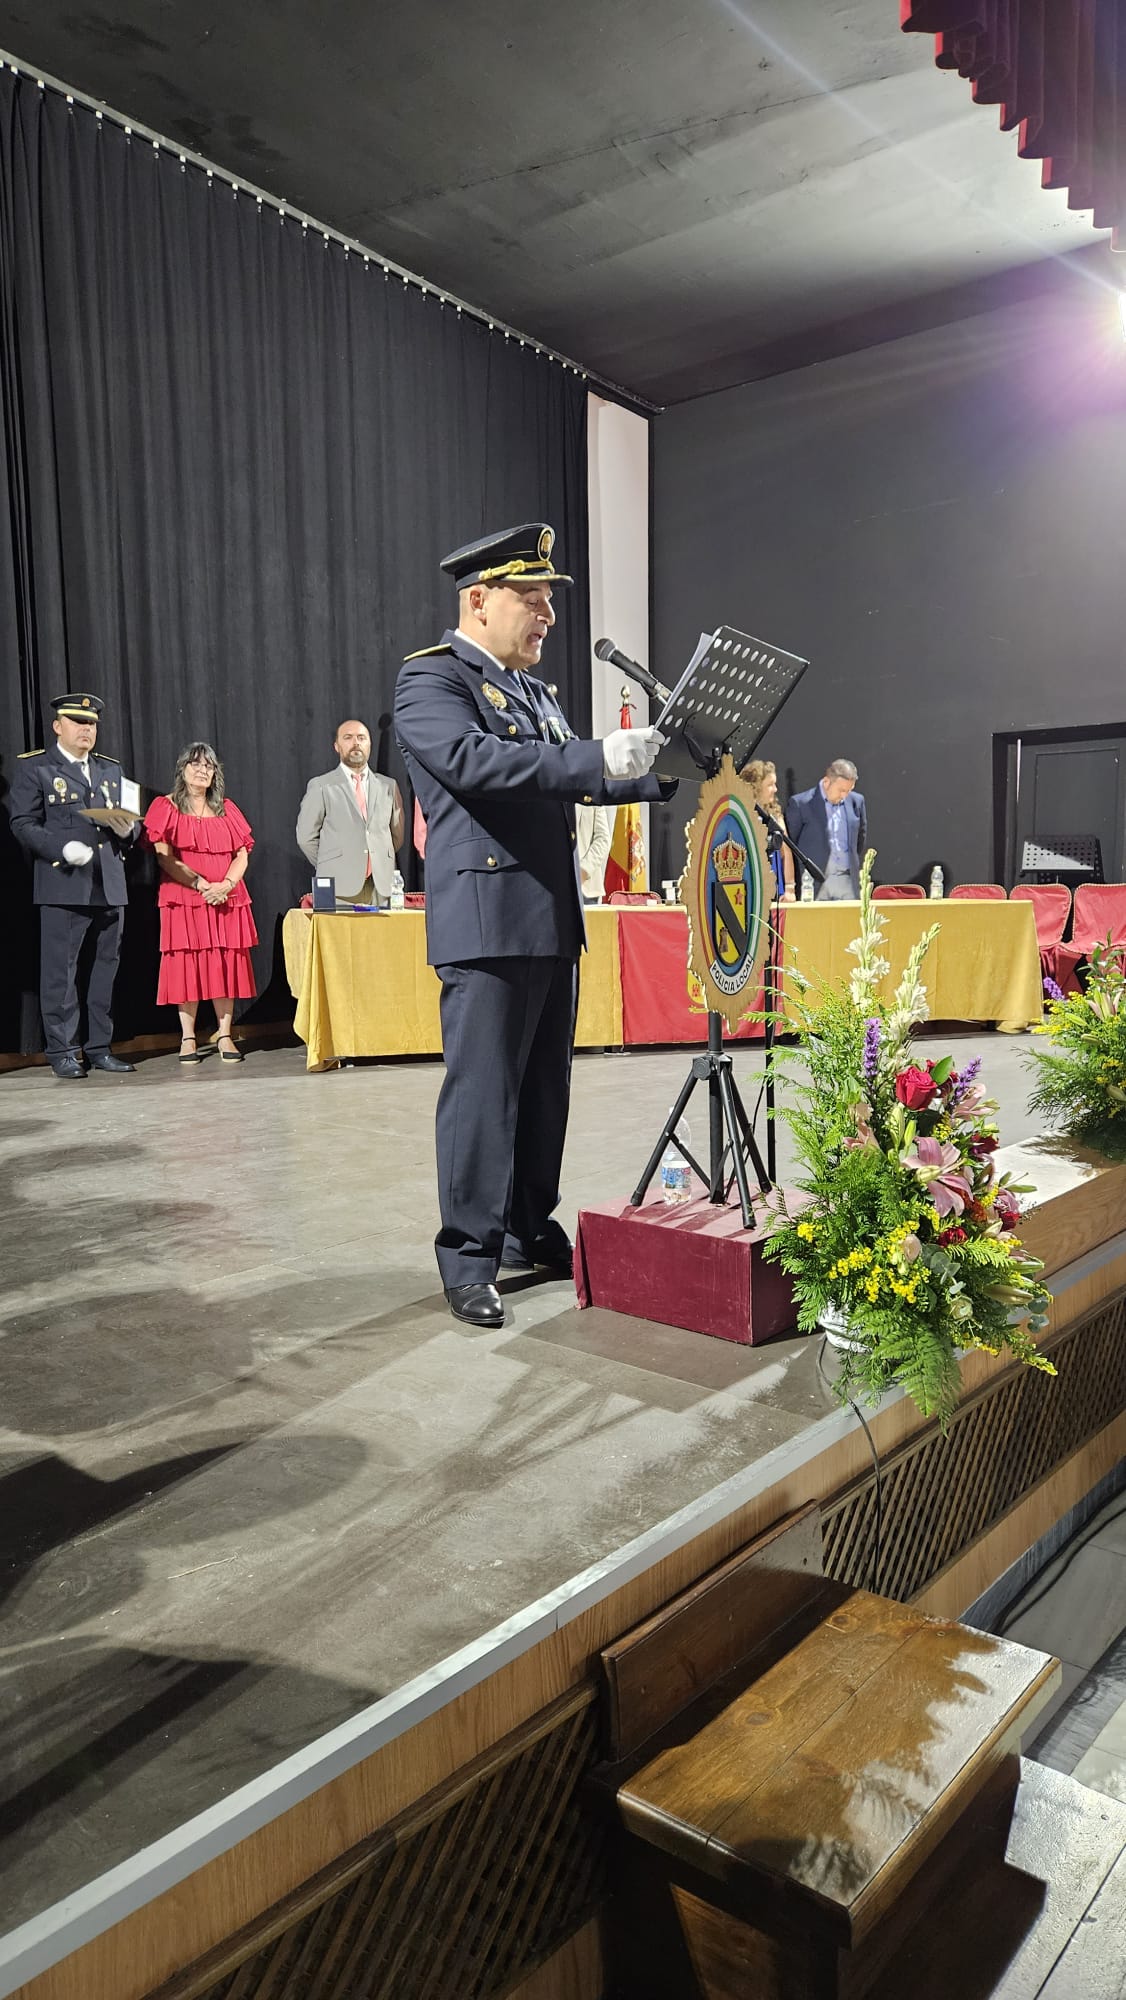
x=397, y=899
x=806, y=886
x=936, y=888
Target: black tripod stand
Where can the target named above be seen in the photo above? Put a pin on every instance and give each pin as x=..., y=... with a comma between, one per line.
x=722, y=706
x=729, y=1130
x=732, y=1145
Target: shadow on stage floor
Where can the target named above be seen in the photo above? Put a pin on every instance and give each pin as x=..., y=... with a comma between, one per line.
x=253, y=1478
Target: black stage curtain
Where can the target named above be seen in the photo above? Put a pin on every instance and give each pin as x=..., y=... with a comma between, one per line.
x=233, y=454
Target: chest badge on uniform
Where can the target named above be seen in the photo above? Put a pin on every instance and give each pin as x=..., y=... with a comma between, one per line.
x=60, y=787
x=493, y=694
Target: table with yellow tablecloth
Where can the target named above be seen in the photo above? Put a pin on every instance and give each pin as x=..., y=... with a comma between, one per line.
x=984, y=965
x=363, y=987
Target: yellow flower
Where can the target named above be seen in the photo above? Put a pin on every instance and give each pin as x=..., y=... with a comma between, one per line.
x=806, y=1231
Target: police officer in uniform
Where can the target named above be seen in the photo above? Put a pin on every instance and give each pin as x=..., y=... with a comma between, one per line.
x=498, y=773
x=79, y=880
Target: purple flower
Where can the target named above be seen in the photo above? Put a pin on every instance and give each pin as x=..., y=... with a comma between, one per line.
x=871, y=1054
x=966, y=1076
x=1052, y=991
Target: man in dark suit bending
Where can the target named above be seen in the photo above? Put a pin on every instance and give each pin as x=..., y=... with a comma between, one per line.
x=498, y=773
x=829, y=824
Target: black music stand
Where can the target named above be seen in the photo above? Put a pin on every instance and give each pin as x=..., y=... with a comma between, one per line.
x=722, y=706
x=1070, y=858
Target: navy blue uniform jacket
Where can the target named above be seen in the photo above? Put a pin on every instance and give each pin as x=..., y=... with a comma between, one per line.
x=498, y=776
x=45, y=807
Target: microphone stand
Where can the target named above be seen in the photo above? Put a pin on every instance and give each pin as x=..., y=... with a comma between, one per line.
x=776, y=835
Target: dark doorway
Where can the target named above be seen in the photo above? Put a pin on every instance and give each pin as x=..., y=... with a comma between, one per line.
x=1067, y=781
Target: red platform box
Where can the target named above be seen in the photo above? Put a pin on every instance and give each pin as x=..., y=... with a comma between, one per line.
x=690, y=1264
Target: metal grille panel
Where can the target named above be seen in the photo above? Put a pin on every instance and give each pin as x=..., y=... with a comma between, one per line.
x=941, y=1494
x=461, y=1908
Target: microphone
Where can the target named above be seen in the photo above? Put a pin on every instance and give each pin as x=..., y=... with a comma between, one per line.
x=614, y=657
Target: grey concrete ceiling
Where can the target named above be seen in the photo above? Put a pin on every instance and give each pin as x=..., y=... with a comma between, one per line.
x=680, y=194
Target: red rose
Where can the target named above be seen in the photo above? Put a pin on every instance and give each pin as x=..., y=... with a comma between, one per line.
x=952, y=1236
x=1006, y=1209
x=915, y=1087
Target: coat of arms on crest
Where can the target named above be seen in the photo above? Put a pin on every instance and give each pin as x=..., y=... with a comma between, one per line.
x=727, y=888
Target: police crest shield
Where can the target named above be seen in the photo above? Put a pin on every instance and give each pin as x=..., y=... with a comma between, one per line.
x=727, y=888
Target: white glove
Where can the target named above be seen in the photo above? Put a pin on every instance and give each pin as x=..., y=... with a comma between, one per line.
x=630, y=753
x=77, y=853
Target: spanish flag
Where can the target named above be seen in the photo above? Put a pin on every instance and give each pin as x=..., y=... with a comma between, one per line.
x=625, y=867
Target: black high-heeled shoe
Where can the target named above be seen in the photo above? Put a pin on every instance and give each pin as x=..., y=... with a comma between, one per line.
x=232, y=1054
x=191, y=1055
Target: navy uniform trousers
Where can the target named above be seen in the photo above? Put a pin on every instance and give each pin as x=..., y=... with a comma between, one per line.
x=508, y=1030
x=65, y=929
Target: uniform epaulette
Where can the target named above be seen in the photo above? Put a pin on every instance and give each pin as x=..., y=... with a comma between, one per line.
x=424, y=652
x=103, y=759
x=21, y=754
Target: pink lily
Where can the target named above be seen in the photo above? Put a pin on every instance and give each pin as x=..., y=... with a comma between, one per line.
x=970, y=1103
x=934, y=1164
x=865, y=1138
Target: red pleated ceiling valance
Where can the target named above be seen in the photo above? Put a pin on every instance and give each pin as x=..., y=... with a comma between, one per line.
x=1057, y=68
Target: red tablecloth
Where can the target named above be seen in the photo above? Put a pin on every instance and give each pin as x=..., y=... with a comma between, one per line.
x=658, y=1003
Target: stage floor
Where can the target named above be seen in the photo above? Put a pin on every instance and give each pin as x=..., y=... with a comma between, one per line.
x=254, y=1476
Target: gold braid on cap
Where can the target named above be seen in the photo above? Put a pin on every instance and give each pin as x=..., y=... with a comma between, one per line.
x=518, y=567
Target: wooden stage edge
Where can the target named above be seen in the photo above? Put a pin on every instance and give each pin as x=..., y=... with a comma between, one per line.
x=236, y=1884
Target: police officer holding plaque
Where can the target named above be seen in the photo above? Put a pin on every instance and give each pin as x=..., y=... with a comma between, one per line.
x=66, y=809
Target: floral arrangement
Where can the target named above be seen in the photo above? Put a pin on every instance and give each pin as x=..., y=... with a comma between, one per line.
x=1080, y=1083
x=906, y=1233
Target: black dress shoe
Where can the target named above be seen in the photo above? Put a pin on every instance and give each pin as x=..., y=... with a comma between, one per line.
x=552, y=1251
x=480, y=1305
x=69, y=1068
x=107, y=1061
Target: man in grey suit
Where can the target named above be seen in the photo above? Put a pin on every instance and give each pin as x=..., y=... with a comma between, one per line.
x=829, y=823
x=351, y=821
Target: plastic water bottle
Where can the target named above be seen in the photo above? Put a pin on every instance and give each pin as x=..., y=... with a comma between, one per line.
x=936, y=884
x=807, y=887
x=397, y=899
x=676, y=1174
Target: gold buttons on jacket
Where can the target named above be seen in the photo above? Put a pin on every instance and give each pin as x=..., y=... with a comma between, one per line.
x=512, y=729
x=587, y=800
x=490, y=861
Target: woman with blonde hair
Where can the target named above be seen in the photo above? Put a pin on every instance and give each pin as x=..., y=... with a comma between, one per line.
x=763, y=780
x=202, y=844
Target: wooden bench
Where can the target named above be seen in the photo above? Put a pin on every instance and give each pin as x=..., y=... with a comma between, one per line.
x=797, y=1768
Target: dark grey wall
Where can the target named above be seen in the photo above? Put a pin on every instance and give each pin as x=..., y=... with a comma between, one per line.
x=939, y=525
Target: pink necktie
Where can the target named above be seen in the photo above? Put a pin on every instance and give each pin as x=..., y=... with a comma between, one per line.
x=362, y=802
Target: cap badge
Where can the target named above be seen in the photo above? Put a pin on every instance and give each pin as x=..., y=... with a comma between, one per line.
x=546, y=544
x=493, y=694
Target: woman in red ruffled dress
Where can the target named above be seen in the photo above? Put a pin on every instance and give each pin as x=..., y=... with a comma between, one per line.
x=202, y=844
